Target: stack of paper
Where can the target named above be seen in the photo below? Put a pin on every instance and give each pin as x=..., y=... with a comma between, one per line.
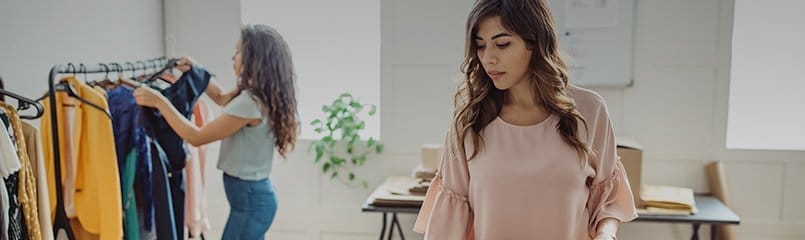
x=426, y=174
x=396, y=192
x=667, y=200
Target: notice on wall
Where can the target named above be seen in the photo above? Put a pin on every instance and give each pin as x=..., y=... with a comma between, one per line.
x=589, y=14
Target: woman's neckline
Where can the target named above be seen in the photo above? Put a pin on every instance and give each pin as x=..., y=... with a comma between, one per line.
x=543, y=122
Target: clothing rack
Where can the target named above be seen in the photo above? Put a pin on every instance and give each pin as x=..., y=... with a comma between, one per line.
x=62, y=222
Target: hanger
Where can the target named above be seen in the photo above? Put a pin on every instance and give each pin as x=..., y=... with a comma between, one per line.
x=145, y=67
x=105, y=82
x=65, y=87
x=153, y=63
x=124, y=81
x=83, y=69
x=154, y=77
x=24, y=103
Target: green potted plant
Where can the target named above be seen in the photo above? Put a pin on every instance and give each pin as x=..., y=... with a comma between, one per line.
x=340, y=149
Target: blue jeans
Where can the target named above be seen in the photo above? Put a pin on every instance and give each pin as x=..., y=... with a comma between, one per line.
x=252, y=204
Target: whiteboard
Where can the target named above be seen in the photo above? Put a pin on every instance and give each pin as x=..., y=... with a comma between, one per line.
x=596, y=39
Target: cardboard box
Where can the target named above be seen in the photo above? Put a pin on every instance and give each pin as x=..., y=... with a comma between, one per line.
x=431, y=156
x=631, y=154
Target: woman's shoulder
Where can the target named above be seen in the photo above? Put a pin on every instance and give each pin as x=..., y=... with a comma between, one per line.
x=588, y=102
x=583, y=96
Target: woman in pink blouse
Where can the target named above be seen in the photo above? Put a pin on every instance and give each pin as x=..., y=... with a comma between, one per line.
x=545, y=165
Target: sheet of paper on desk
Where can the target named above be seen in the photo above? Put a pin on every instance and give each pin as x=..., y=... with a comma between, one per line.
x=395, y=192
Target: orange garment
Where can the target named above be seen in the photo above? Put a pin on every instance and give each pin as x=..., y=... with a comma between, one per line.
x=97, y=198
x=196, y=218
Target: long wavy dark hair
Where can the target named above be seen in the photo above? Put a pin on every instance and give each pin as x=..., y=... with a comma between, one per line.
x=267, y=73
x=478, y=102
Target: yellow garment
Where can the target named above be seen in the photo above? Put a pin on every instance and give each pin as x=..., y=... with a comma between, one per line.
x=27, y=182
x=97, y=185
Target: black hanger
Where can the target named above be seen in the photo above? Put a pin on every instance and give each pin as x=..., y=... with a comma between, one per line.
x=153, y=63
x=145, y=67
x=118, y=69
x=121, y=80
x=83, y=69
x=24, y=103
x=65, y=87
x=71, y=68
x=105, y=82
x=170, y=64
x=133, y=74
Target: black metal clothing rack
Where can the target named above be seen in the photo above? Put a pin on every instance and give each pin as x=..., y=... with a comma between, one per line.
x=62, y=222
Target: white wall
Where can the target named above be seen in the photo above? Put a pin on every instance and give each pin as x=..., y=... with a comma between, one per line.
x=333, y=53
x=40, y=34
x=206, y=30
x=682, y=64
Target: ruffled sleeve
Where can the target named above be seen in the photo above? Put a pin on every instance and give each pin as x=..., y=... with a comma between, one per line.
x=446, y=212
x=610, y=193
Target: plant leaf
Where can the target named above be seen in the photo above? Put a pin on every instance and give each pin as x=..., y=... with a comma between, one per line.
x=315, y=122
x=335, y=174
x=343, y=95
x=337, y=160
x=379, y=148
x=351, y=176
x=319, y=151
x=325, y=167
x=365, y=184
x=372, y=110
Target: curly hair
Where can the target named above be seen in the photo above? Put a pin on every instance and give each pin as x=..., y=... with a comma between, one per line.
x=478, y=102
x=267, y=73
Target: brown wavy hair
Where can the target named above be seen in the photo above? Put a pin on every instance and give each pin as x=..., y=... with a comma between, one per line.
x=267, y=73
x=478, y=102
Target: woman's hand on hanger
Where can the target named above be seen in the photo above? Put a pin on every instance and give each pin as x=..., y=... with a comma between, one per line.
x=184, y=64
x=147, y=97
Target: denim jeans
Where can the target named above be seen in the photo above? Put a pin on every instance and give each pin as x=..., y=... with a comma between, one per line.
x=253, y=205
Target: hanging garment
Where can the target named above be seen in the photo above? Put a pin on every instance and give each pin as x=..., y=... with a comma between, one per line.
x=97, y=187
x=11, y=182
x=168, y=153
x=26, y=192
x=9, y=164
x=196, y=198
x=131, y=225
x=130, y=135
x=34, y=149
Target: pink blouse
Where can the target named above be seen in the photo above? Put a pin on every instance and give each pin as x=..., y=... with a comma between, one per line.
x=527, y=183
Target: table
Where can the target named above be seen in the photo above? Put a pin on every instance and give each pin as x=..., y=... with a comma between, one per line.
x=711, y=211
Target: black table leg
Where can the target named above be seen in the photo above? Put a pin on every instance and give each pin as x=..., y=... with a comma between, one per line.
x=383, y=230
x=695, y=231
x=391, y=225
x=713, y=231
x=399, y=228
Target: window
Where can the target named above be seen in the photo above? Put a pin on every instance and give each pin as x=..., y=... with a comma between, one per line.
x=767, y=76
x=335, y=47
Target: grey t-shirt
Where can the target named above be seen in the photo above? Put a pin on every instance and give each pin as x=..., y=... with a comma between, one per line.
x=248, y=153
